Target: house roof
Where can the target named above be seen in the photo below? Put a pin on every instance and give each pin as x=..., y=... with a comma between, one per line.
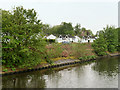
x=77, y=37
x=70, y=36
x=51, y=37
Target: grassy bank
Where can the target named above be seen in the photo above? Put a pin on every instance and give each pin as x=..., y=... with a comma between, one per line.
x=62, y=53
x=56, y=52
x=75, y=50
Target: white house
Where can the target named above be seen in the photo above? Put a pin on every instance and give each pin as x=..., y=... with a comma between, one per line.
x=62, y=39
x=51, y=37
x=76, y=39
x=68, y=39
x=59, y=39
x=85, y=40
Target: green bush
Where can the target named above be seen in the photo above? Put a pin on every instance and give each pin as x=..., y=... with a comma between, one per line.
x=107, y=41
x=100, y=46
x=80, y=58
x=112, y=48
x=13, y=69
x=87, y=57
x=5, y=70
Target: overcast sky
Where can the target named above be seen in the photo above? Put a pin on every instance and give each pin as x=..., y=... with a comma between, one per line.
x=91, y=14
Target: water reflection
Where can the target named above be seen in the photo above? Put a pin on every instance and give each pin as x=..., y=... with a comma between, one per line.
x=96, y=74
x=107, y=66
x=32, y=80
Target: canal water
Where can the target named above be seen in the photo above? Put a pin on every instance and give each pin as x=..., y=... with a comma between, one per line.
x=101, y=73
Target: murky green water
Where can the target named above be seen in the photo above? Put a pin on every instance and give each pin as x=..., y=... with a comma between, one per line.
x=102, y=73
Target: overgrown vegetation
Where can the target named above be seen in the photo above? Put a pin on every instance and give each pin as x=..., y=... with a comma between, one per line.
x=54, y=50
x=69, y=50
x=80, y=50
x=87, y=57
x=107, y=41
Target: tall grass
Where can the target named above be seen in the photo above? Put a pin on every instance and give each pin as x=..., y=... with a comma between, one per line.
x=66, y=50
x=54, y=50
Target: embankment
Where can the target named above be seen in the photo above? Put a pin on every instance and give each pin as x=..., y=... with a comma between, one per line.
x=65, y=59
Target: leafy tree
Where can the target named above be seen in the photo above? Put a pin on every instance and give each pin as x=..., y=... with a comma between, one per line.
x=46, y=29
x=111, y=35
x=77, y=29
x=89, y=33
x=22, y=43
x=100, y=45
x=107, y=41
x=118, y=47
x=83, y=29
x=85, y=32
x=67, y=28
x=63, y=29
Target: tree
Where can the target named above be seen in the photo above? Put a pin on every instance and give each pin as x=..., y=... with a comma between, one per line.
x=100, y=45
x=89, y=33
x=22, y=43
x=107, y=41
x=46, y=29
x=111, y=35
x=85, y=32
x=63, y=29
x=118, y=47
x=77, y=29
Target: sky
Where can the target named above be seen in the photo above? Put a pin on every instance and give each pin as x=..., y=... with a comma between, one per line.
x=91, y=14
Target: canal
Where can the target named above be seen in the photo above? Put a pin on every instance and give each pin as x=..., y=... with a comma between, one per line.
x=101, y=73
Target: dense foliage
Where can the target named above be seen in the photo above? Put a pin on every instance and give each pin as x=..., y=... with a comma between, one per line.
x=67, y=29
x=21, y=38
x=63, y=29
x=107, y=41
